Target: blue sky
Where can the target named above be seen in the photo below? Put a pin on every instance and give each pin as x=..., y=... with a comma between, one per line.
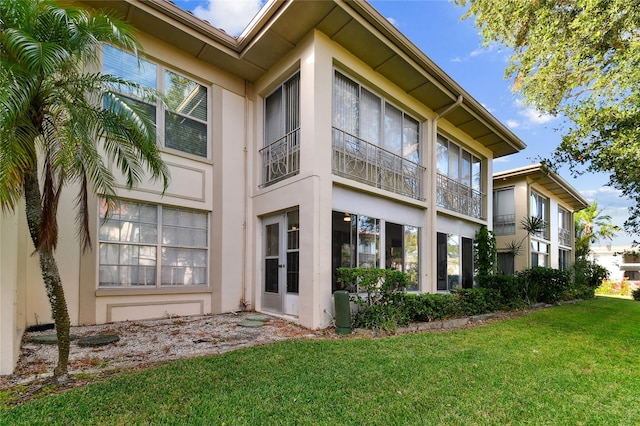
x=435, y=26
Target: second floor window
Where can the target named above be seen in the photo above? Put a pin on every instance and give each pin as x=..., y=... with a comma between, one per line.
x=539, y=207
x=281, y=152
x=459, y=179
x=182, y=119
x=564, y=227
x=363, y=114
x=504, y=211
x=373, y=141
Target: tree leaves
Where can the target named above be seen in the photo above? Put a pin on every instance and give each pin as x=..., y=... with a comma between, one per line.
x=579, y=58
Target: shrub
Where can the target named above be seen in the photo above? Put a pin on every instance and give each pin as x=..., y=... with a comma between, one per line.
x=387, y=317
x=588, y=276
x=430, y=307
x=546, y=285
x=378, y=285
x=636, y=294
x=380, y=307
x=508, y=288
x=477, y=301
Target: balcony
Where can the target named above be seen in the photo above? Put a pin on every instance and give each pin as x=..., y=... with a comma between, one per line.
x=281, y=158
x=454, y=196
x=368, y=163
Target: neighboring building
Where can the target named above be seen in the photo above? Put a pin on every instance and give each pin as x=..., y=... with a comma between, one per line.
x=321, y=137
x=620, y=261
x=534, y=191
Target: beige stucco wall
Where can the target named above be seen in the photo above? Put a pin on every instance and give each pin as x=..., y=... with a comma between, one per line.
x=10, y=327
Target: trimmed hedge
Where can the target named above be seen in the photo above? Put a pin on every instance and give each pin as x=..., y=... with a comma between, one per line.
x=383, y=304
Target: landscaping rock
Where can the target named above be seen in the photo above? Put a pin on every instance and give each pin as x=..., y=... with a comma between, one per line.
x=98, y=340
x=49, y=339
x=250, y=324
x=258, y=317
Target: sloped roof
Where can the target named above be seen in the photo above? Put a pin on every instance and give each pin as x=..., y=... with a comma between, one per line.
x=550, y=180
x=353, y=24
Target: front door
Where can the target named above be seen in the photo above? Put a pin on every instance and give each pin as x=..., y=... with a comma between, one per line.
x=281, y=263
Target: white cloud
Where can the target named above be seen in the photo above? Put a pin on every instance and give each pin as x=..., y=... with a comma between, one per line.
x=513, y=124
x=230, y=15
x=393, y=21
x=532, y=116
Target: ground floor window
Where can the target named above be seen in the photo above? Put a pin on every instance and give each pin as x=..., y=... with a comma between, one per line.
x=563, y=259
x=149, y=245
x=539, y=254
x=506, y=263
x=360, y=241
x=454, y=256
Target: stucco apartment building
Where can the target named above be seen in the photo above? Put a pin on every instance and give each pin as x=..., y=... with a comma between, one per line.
x=321, y=137
x=534, y=191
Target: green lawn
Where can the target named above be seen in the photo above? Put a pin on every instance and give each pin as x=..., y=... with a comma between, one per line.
x=570, y=365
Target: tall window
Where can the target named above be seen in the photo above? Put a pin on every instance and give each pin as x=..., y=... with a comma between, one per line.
x=458, y=164
x=148, y=245
x=361, y=113
x=564, y=259
x=281, y=152
x=564, y=227
x=357, y=241
x=459, y=179
x=454, y=256
x=504, y=211
x=182, y=119
x=539, y=207
x=374, y=142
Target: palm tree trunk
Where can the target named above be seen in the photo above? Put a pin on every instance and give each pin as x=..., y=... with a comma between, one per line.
x=50, y=274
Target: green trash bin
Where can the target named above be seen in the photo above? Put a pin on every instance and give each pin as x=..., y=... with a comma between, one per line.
x=343, y=312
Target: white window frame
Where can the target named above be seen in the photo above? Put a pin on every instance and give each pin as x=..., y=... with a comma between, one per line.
x=161, y=108
x=158, y=245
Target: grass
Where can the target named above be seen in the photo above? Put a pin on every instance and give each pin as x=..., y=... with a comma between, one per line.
x=574, y=364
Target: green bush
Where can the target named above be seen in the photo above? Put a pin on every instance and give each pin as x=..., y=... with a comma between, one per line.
x=427, y=307
x=477, y=301
x=587, y=277
x=387, y=317
x=377, y=292
x=378, y=285
x=508, y=288
x=636, y=294
x=546, y=285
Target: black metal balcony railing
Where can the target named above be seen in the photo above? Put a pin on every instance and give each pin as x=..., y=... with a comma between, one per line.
x=368, y=163
x=564, y=237
x=455, y=196
x=504, y=224
x=281, y=159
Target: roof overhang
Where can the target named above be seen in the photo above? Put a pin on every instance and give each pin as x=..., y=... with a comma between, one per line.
x=548, y=179
x=353, y=24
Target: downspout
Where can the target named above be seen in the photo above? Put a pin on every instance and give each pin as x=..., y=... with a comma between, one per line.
x=448, y=109
x=245, y=201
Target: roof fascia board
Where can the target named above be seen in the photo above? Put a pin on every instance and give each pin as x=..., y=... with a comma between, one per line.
x=205, y=30
x=536, y=171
